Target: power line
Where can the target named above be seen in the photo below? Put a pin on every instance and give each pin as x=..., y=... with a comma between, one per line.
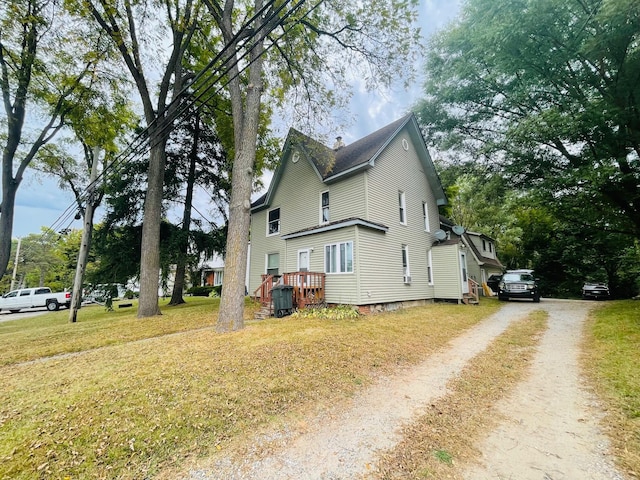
x=204, y=92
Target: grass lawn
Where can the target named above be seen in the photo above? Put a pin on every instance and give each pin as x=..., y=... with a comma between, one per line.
x=113, y=396
x=611, y=358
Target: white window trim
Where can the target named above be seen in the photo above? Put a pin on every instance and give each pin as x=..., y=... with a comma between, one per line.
x=338, y=272
x=279, y=222
x=308, y=250
x=266, y=262
x=430, y=267
x=406, y=271
x=402, y=204
x=425, y=214
x=322, y=221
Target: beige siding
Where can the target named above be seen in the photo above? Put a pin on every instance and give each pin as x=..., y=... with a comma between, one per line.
x=299, y=198
x=261, y=245
x=372, y=195
x=473, y=269
x=446, y=270
x=340, y=287
x=395, y=170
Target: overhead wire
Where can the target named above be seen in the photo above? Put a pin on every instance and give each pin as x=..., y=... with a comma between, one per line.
x=209, y=82
x=140, y=144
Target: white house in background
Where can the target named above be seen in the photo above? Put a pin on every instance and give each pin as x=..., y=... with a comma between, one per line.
x=364, y=217
x=213, y=270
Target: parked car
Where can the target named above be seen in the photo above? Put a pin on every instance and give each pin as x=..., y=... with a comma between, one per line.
x=16, y=300
x=493, y=281
x=595, y=291
x=518, y=284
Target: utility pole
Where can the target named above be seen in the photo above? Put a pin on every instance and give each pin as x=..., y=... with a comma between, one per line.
x=87, y=231
x=15, y=264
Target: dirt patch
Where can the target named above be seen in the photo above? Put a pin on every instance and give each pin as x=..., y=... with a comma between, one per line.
x=551, y=433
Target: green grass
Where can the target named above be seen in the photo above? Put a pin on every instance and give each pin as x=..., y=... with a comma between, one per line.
x=612, y=361
x=52, y=334
x=141, y=396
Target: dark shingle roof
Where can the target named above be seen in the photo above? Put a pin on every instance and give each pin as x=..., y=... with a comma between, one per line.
x=332, y=165
x=362, y=151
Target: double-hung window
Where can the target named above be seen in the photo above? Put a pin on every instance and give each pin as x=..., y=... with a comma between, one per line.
x=273, y=225
x=405, y=261
x=429, y=268
x=403, y=207
x=324, y=207
x=338, y=258
x=273, y=263
x=425, y=215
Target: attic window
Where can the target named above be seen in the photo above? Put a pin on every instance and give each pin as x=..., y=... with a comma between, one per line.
x=405, y=144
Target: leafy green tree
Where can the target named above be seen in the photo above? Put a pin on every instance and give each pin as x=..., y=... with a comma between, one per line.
x=135, y=28
x=319, y=49
x=48, y=64
x=48, y=259
x=549, y=90
x=195, y=157
x=107, y=119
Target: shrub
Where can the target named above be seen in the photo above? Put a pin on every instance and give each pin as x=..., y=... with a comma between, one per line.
x=339, y=312
x=202, y=291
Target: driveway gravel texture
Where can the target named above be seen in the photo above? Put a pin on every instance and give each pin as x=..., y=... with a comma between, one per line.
x=551, y=431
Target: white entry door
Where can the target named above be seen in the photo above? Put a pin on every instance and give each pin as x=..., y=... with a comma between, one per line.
x=303, y=260
x=463, y=272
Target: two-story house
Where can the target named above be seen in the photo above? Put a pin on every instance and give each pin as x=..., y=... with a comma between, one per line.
x=364, y=215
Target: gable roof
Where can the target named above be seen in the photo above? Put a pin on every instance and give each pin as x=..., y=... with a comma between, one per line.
x=332, y=165
x=453, y=238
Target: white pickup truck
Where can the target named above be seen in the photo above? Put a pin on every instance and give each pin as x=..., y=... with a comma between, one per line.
x=16, y=300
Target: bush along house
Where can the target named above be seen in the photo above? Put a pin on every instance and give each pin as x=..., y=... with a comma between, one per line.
x=356, y=224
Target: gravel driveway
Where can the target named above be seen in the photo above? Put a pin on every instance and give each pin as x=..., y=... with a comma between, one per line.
x=551, y=431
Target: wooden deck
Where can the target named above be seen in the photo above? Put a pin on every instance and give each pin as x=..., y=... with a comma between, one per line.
x=308, y=288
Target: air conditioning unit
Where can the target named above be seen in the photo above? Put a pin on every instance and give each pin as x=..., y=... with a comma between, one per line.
x=407, y=279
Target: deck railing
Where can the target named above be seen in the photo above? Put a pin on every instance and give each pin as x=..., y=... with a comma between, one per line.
x=474, y=289
x=308, y=288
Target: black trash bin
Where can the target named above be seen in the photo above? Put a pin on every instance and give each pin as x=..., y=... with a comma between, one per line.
x=282, y=298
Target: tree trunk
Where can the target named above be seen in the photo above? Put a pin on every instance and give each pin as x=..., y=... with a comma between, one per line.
x=85, y=243
x=246, y=116
x=9, y=189
x=150, y=250
x=178, y=285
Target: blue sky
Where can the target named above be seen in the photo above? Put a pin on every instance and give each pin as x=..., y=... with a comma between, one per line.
x=40, y=202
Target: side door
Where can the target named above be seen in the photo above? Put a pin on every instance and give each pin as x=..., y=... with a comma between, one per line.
x=24, y=299
x=463, y=273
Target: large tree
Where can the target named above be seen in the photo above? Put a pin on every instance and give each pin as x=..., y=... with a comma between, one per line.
x=48, y=62
x=306, y=53
x=548, y=89
x=136, y=28
x=195, y=158
x=97, y=129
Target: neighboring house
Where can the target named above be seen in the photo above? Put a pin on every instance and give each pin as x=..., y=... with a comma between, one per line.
x=212, y=270
x=473, y=254
x=363, y=215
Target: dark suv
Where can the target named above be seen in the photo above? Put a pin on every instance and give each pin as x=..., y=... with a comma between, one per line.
x=518, y=284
